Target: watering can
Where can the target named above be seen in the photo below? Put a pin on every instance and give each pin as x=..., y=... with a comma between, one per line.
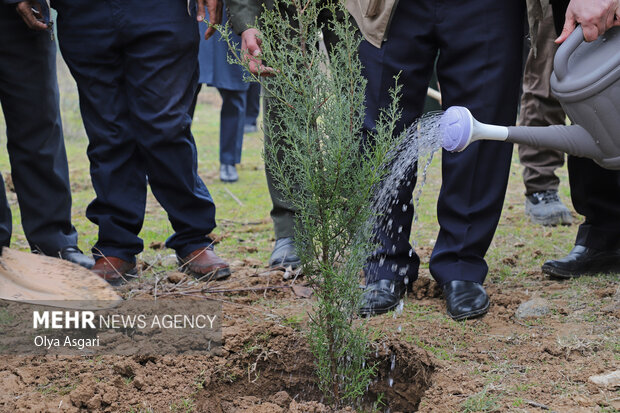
x=586, y=81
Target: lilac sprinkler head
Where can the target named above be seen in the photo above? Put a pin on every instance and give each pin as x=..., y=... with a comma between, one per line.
x=456, y=126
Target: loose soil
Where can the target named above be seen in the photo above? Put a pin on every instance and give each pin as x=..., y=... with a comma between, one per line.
x=496, y=363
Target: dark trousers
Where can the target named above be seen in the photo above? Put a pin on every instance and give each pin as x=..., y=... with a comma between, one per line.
x=136, y=68
x=282, y=212
x=252, y=107
x=232, y=120
x=479, y=67
x=595, y=191
x=29, y=97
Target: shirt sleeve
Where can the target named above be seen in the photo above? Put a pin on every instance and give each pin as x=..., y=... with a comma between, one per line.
x=243, y=14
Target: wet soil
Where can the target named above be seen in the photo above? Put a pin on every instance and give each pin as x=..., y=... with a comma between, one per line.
x=495, y=363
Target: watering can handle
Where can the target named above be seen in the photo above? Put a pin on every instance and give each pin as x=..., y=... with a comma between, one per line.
x=560, y=62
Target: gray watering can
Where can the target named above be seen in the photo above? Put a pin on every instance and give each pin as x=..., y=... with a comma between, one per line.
x=586, y=81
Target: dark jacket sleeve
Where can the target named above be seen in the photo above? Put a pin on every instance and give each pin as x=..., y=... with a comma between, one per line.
x=242, y=14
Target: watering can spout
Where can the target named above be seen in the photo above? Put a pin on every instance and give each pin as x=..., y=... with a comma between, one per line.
x=586, y=81
x=459, y=129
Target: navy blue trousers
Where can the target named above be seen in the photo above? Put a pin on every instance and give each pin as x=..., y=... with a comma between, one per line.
x=29, y=97
x=252, y=107
x=136, y=67
x=232, y=120
x=595, y=191
x=479, y=66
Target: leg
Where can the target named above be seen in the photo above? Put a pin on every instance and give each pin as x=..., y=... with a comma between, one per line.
x=252, y=106
x=410, y=53
x=478, y=67
x=29, y=95
x=192, y=107
x=282, y=213
x=540, y=108
x=232, y=118
x=160, y=45
x=91, y=47
x=595, y=193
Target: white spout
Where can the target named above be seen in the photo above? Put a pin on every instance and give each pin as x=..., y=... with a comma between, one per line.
x=459, y=129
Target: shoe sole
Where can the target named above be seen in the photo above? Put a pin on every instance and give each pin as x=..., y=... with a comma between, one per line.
x=219, y=274
x=366, y=312
x=567, y=275
x=471, y=314
x=123, y=279
x=283, y=266
x=552, y=220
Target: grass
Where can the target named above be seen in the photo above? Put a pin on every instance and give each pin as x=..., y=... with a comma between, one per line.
x=482, y=401
x=243, y=207
x=244, y=223
x=514, y=258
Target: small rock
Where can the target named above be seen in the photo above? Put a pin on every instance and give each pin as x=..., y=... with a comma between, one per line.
x=236, y=263
x=82, y=394
x=536, y=307
x=138, y=382
x=301, y=291
x=253, y=262
x=125, y=370
x=94, y=403
x=157, y=245
x=608, y=380
x=176, y=277
x=281, y=398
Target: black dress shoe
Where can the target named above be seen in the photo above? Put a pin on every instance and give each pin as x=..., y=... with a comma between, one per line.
x=284, y=254
x=74, y=255
x=382, y=296
x=583, y=261
x=465, y=299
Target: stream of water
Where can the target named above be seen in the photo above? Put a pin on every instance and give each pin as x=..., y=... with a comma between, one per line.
x=414, y=154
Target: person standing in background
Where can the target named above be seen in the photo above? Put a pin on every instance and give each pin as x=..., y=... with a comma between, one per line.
x=595, y=191
x=540, y=108
x=252, y=108
x=244, y=15
x=236, y=97
x=136, y=70
x=35, y=142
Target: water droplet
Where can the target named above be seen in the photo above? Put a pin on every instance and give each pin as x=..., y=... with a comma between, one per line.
x=391, y=382
x=400, y=229
x=393, y=364
x=394, y=267
x=404, y=207
x=399, y=309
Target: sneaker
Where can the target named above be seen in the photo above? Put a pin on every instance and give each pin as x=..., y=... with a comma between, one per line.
x=546, y=208
x=228, y=173
x=250, y=128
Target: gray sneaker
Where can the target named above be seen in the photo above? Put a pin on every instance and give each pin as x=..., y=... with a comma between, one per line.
x=546, y=208
x=228, y=173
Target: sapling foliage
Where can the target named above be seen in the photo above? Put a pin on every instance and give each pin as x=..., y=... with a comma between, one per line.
x=328, y=169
